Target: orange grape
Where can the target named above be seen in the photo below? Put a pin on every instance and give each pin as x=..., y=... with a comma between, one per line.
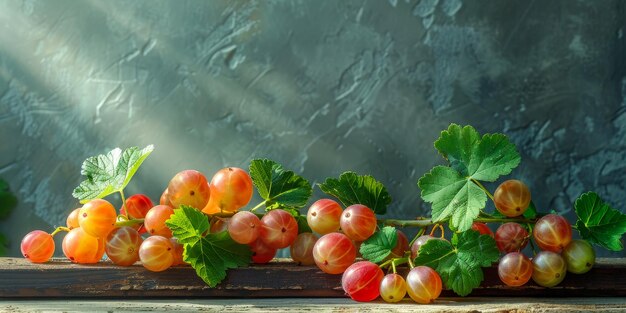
x=323, y=216
x=177, y=252
x=552, y=233
x=80, y=247
x=515, y=269
x=392, y=288
x=423, y=284
x=231, y=189
x=72, y=219
x=97, y=218
x=122, y=246
x=512, y=198
x=188, y=188
x=155, y=253
x=358, y=222
x=155, y=220
x=37, y=246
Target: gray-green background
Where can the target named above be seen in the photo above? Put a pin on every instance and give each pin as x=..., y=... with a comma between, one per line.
x=320, y=86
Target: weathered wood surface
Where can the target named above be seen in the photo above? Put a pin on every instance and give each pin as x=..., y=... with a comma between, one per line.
x=469, y=305
x=61, y=279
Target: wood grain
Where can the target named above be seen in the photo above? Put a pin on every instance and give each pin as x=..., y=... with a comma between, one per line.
x=281, y=278
x=318, y=305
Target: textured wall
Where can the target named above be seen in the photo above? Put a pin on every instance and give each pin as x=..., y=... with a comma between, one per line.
x=320, y=86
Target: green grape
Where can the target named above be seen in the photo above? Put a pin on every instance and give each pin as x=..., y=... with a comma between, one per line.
x=579, y=256
x=392, y=288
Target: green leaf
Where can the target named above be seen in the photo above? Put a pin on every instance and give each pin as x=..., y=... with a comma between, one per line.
x=351, y=189
x=378, y=247
x=214, y=254
x=599, y=223
x=109, y=173
x=531, y=211
x=452, y=190
x=303, y=225
x=4, y=245
x=188, y=224
x=483, y=159
x=280, y=188
x=452, y=196
x=8, y=201
x=210, y=255
x=460, y=265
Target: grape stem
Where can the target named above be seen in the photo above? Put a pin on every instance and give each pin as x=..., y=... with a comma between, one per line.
x=257, y=206
x=484, y=189
x=124, y=204
x=429, y=222
x=130, y=222
x=59, y=229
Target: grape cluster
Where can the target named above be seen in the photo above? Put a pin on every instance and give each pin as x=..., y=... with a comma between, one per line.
x=139, y=232
x=551, y=233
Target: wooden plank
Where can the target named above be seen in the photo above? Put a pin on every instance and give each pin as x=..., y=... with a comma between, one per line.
x=21, y=279
x=318, y=305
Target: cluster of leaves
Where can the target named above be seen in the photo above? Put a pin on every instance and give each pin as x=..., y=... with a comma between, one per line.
x=8, y=201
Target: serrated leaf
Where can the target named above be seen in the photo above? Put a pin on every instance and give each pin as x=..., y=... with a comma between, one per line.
x=460, y=265
x=188, y=224
x=351, y=189
x=452, y=196
x=109, y=173
x=278, y=187
x=8, y=201
x=378, y=247
x=599, y=223
x=471, y=157
x=214, y=254
x=210, y=255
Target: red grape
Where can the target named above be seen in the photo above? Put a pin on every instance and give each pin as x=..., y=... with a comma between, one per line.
x=80, y=247
x=511, y=237
x=552, y=233
x=231, y=189
x=278, y=229
x=579, y=256
x=261, y=253
x=423, y=284
x=244, y=227
x=361, y=281
x=188, y=188
x=122, y=246
x=155, y=253
x=37, y=246
x=137, y=206
x=155, y=220
x=392, y=288
x=482, y=228
x=512, y=198
x=549, y=269
x=72, y=219
x=302, y=249
x=401, y=246
x=333, y=253
x=97, y=218
x=358, y=222
x=323, y=216
x=515, y=269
